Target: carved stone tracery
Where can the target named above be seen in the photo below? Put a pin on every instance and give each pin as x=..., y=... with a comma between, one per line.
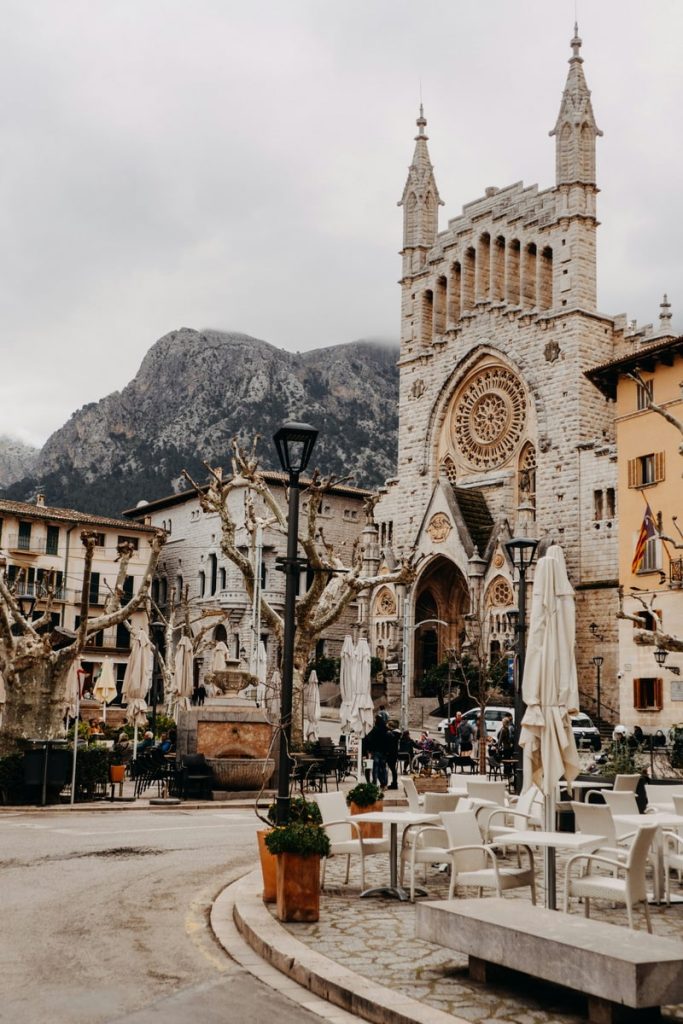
x=488, y=417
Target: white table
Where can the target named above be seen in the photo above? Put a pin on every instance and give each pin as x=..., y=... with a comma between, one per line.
x=664, y=820
x=394, y=819
x=585, y=785
x=551, y=841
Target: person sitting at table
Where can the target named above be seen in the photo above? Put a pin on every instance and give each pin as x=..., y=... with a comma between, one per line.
x=146, y=745
x=95, y=730
x=123, y=748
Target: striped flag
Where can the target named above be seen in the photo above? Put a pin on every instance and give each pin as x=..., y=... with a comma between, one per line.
x=647, y=531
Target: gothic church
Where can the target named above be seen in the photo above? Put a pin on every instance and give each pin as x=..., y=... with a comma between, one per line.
x=500, y=431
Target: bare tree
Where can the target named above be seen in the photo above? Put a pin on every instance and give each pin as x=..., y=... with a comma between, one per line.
x=481, y=672
x=35, y=660
x=334, y=586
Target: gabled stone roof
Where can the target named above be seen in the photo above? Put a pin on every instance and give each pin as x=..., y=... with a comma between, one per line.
x=476, y=515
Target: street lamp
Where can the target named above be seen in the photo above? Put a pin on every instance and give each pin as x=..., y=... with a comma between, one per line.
x=27, y=603
x=660, y=655
x=294, y=444
x=521, y=551
x=597, y=661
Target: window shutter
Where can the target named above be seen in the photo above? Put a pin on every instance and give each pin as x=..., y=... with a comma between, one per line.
x=659, y=466
x=636, y=693
x=633, y=472
x=659, y=686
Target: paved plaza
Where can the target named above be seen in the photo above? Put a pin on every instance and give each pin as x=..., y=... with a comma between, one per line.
x=375, y=937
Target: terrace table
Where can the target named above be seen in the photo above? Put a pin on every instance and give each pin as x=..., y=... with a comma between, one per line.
x=394, y=819
x=551, y=841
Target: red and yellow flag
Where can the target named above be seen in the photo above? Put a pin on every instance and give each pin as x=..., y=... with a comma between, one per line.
x=647, y=531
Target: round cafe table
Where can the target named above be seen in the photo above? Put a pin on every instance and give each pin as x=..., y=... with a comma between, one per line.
x=394, y=819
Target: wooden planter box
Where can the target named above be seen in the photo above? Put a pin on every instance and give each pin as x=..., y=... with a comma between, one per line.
x=436, y=783
x=298, y=887
x=268, y=866
x=372, y=830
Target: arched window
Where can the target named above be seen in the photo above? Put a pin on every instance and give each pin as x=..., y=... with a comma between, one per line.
x=221, y=578
x=454, y=287
x=440, y=306
x=529, y=276
x=512, y=277
x=220, y=634
x=202, y=583
x=545, y=279
x=179, y=588
x=448, y=468
x=468, y=271
x=213, y=574
x=163, y=591
x=498, y=270
x=483, y=267
x=427, y=316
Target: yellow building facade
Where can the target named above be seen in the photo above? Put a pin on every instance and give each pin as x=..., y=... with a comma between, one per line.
x=649, y=500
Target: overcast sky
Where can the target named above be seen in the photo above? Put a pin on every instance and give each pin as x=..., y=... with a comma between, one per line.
x=235, y=165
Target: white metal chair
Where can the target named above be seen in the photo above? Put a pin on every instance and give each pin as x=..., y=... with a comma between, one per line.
x=345, y=838
x=415, y=801
x=526, y=813
x=660, y=798
x=621, y=803
x=473, y=863
x=425, y=844
x=597, y=820
x=625, y=783
x=630, y=889
x=482, y=789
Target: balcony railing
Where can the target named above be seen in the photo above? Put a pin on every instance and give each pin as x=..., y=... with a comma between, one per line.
x=676, y=572
x=31, y=545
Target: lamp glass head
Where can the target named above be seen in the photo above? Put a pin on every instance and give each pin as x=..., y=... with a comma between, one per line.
x=294, y=444
x=660, y=655
x=521, y=551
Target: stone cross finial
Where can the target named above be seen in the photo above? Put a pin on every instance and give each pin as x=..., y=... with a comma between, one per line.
x=576, y=42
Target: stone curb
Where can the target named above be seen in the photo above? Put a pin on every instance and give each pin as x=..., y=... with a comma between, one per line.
x=311, y=970
x=138, y=805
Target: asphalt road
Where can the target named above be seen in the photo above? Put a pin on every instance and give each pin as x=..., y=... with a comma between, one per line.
x=104, y=918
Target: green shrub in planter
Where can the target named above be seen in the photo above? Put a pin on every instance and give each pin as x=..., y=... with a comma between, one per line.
x=365, y=794
x=12, y=779
x=302, y=812
x=304, y=839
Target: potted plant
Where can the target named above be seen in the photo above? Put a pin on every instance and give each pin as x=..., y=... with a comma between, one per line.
x=299, y=810
x=297, y=848
x=362, y=799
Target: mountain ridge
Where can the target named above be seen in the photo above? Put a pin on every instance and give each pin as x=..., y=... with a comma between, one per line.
x=193, y=391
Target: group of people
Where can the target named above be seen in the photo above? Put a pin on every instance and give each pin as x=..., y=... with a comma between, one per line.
x=382, y=745
x=123, y=747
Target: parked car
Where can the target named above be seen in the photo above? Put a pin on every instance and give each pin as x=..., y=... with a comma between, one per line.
x=493, y=716
x=585, y=733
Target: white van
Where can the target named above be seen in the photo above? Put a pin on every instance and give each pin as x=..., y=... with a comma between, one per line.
x=493, y=716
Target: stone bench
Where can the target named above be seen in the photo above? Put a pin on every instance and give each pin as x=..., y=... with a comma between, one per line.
x=614, y=967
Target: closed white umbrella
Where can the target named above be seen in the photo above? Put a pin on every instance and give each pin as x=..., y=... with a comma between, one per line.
x=312, y=707
x=72, y=708
x=361, y=708
x=550, y=689
x=219, y=661
x=346, y=669
x=137, y=681
x=105, y=687
x=183, y=680
x=261, y=670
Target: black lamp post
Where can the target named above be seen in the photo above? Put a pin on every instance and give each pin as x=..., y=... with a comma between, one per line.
x=294, y=443
x=27, y=603
x=597, y=661
x=521, y=551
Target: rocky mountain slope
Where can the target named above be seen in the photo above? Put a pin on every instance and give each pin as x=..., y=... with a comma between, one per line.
x=193, y=392
x=16, y=459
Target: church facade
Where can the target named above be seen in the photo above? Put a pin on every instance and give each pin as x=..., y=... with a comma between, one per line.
x=500, y=431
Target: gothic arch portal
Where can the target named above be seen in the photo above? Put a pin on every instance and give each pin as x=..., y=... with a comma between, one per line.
x=440, y=593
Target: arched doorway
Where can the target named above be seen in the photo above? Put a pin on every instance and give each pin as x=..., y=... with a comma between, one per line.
x=440, y=594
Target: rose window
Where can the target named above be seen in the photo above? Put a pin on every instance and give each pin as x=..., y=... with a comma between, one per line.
x=488, y=417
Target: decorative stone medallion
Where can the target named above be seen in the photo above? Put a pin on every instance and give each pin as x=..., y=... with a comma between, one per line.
x=498, y=560
x=439, y=527
x=386, y=605
x=488, y=417
x=551, y=352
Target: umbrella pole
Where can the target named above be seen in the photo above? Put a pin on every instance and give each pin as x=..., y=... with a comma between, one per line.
x=104, y=711
x=135, y=740
x=549, y=854
x=359, y=767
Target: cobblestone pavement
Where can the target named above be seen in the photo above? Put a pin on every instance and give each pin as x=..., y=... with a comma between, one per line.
x=376, y=938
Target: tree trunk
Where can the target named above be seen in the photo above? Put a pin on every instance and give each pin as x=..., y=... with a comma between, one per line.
x=303, y=648
x=36, y=698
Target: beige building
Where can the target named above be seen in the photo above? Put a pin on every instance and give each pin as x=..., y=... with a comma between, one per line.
x=649, y=478
x=37, y=541
x=192, y=560
x=500, y=432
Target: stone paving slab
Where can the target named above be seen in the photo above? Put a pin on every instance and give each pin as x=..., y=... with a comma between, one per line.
x=376, y=939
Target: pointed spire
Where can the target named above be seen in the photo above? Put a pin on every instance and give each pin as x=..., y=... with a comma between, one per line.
x=420, y=199
x=665, y=315
x=575, y=129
